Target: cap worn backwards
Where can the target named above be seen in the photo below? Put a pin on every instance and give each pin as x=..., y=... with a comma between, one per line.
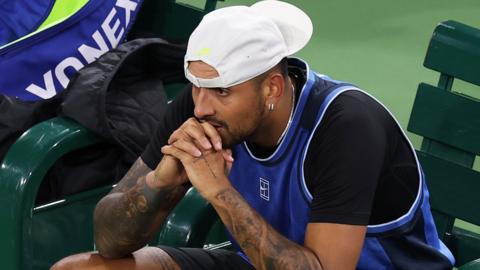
x=243, y=42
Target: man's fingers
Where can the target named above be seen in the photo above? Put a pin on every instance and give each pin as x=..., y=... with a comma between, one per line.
x=193, y=131
x=187, y=147
x=176, y=135
x=212, y=133
x=175, y=152
x=197, y=133
x=227, y=155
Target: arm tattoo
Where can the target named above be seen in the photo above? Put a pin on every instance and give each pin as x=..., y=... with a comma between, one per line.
x=264, y=246
x=127, y=218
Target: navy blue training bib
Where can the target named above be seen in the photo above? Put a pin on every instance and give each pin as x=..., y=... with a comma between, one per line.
x=275, y=187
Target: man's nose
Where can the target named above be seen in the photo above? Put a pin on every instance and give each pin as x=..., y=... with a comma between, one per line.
x=203, y=104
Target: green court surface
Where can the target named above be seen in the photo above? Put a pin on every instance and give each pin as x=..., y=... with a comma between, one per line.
x=380, y=45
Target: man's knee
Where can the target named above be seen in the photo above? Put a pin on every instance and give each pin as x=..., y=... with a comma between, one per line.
x=154, y=258
x=78, y=261
x=145, y=258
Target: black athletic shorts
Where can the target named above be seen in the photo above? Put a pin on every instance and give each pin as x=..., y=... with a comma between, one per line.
x=200, y=259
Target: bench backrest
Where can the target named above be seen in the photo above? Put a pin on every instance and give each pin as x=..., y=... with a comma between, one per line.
x=449, y=122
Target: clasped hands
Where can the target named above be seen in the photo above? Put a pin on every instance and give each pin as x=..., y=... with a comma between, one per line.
x=194, y=153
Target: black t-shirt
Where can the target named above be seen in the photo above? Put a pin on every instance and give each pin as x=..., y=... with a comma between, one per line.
x=359, y=168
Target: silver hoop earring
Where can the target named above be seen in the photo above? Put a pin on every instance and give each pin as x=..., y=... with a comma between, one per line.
x=270, y=106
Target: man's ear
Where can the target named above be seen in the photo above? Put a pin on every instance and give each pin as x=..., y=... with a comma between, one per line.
x=273, y=87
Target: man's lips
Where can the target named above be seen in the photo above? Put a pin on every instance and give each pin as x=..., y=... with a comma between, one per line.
x=215, y=125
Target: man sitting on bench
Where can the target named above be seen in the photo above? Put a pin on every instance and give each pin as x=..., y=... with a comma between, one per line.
x=305, y=172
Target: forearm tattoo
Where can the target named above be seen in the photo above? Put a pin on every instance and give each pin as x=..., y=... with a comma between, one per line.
x=127, y=218
x=263, y=245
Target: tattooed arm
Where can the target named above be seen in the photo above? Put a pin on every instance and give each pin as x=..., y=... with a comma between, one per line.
x=327, y=246
x=263, y=245
x=127, y=218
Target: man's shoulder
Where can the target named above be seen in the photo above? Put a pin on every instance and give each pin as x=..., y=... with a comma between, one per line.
x=356, y=112
x=359, y=103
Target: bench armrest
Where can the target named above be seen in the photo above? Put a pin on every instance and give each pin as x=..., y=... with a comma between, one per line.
x=21, y=173
x=189, y=223
x=473, y=265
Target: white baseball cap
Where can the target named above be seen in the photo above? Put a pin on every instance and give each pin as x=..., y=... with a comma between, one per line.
x=242, y=42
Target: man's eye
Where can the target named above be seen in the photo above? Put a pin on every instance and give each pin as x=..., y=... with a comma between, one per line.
x=221, y=91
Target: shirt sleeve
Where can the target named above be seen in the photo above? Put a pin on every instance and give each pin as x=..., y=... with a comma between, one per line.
x=177, y=112
x=345, y=160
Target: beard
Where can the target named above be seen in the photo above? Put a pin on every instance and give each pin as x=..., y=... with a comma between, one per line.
x=247, y=131
x=229, y=137
x=240, y=130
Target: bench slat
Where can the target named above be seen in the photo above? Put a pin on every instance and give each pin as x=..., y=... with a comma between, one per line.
x=447, y=117
x=453, y=50
x=465, y=245
x=454, y=189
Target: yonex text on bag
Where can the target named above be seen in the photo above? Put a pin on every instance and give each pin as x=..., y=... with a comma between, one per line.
x=41, y=65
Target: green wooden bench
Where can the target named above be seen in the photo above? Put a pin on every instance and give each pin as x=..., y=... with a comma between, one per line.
x=33, y=237
x=449, y=122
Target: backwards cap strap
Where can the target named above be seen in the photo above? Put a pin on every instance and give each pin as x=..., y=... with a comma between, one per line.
x=206, y=83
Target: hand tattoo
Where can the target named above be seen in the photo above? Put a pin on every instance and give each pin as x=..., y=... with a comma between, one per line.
x=208, y=165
